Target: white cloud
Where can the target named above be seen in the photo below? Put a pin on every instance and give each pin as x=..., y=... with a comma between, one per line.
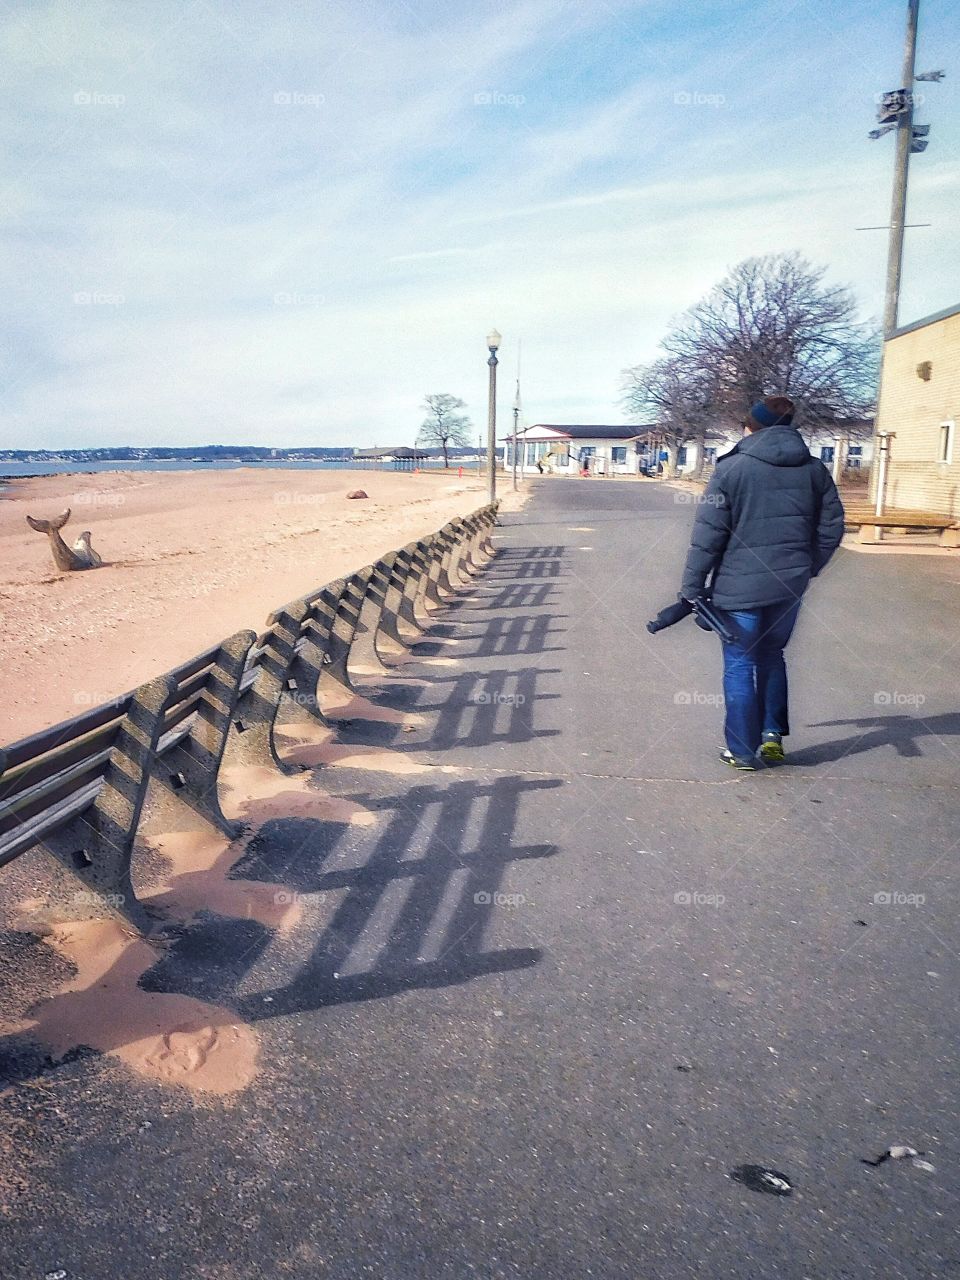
x=304, y=272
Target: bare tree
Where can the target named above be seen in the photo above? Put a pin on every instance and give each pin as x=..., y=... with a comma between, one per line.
x=771, y=326
x=444, y=425
x=677, y=396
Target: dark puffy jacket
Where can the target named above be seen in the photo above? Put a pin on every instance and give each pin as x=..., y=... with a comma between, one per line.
x=769, y=521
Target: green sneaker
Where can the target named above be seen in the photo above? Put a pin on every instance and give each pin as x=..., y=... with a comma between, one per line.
x=744, y=763
x=771, y=749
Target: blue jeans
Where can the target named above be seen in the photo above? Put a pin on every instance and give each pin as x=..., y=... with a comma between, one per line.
x=755, y=675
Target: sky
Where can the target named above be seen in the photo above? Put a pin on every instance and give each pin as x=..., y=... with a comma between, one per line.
x=285, y=223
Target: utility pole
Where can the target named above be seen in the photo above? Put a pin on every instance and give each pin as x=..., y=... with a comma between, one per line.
x=898, y=208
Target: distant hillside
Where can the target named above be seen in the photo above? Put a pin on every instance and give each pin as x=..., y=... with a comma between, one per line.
x=203, y=452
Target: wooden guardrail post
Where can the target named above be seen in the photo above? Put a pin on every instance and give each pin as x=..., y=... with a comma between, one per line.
x=392, y=596
x=463, y=564
x=419, y=563
x=448, y=563
x=367, y=630
x=488, y=517
x=442, y=542
x=187, y=773
x=253, y=741
x=321, y=640
x=344, y=628
x=94, y=848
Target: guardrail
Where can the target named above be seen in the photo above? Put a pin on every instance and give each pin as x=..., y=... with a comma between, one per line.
x=82, y=790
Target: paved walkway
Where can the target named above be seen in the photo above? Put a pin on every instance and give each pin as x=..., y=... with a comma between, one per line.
x=574, y=974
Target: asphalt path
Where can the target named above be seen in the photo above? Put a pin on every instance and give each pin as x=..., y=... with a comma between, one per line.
x=577, y=976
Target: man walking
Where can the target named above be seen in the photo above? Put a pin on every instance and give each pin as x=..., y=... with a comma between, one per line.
x=769, y=521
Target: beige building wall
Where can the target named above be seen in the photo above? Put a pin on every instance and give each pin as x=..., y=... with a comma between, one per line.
x=915, y=409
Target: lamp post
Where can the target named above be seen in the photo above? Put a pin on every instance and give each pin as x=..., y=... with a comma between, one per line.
x=493, y=344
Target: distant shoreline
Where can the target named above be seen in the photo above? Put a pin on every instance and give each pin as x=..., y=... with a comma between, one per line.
x=10, y=471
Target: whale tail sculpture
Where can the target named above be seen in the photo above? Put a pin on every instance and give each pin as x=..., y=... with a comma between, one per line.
x=80, y=556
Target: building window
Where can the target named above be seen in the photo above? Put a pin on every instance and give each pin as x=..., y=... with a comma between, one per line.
x=855, y=451
x=682, y=456
x=947, y=432
x=826, y=452
x=619, y=453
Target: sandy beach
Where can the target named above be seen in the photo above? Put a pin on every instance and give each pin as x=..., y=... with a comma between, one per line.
x=189, y=557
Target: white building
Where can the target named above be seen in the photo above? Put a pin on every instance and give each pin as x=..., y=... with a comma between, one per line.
x=632, y=449
x=567, y=450
x=835, y=445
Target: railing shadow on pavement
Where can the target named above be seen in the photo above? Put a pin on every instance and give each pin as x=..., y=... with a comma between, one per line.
x=411, y=915
x=901, y=732
x=399, y=685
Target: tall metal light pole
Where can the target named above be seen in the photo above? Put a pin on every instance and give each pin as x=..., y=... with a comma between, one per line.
x=516, y=417
x=898, y=207
x=493, y=343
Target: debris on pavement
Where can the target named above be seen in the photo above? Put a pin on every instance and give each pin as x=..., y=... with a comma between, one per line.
x=901, y=1152
x=758, y=1178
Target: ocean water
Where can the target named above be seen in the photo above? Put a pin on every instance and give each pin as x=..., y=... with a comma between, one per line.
x=10, y=470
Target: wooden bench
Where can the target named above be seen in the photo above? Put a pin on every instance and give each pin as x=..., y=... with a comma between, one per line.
x=871, y=525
